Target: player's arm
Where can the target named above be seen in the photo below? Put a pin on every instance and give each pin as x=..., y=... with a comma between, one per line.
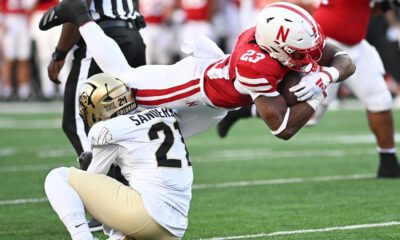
x=104, y=50
x=103, y=157
x=284, y=121
x=69, y=36
x=335, y=57
x=336, y=67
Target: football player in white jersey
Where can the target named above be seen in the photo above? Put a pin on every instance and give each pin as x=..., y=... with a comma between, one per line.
x=148, y=147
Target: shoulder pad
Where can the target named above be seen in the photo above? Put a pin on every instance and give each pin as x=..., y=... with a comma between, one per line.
x=100, y=135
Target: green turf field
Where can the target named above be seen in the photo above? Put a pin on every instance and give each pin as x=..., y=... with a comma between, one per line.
x=250, y=185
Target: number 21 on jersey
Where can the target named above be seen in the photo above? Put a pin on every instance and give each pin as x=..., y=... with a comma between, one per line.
x=167, y=144
x=252, y=56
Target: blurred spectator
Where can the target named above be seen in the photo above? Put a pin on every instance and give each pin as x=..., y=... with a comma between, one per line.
x=197, y=19
x=16, y=47
x=45, y=42
x=158, y=34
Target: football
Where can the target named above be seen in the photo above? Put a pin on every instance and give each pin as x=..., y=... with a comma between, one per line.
x=291, y=78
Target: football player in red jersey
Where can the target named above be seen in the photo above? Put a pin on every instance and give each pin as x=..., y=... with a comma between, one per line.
x=203, y=86
x=367, y=83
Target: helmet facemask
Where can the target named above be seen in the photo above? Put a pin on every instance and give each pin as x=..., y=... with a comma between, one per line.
x=304, y=60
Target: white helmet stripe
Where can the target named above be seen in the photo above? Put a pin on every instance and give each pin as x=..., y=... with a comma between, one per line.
x=310, y=21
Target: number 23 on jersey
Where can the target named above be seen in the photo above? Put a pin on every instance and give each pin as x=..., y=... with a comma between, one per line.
x=252, y=56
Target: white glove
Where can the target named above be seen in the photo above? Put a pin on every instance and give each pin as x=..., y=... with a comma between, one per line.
x=311, y=85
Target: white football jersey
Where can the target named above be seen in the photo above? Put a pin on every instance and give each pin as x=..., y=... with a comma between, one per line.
x=152, y=156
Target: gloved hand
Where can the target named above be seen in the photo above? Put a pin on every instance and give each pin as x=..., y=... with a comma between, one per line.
x=311, y=86
x=85, y=159
x=74, y=11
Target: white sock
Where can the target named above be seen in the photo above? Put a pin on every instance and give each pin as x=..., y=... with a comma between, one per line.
x=24, y=91
x=253, y=110
x=67, y=204
x=386, y=150
x=6, y=91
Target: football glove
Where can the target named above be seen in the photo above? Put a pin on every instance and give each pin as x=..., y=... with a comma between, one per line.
x=85, y=159
x=74, y=11
x=311, y=86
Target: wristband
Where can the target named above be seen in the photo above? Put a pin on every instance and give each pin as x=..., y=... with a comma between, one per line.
x=283, y=124
x=340, y=53
x=315, y=102
x=58, y=55
x=332, y=72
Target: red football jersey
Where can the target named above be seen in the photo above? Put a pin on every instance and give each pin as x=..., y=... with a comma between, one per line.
x=244, y=75
x=153, y=10
x=13, y=6
x=44, y=5
x=197, y=10
x=344, y=20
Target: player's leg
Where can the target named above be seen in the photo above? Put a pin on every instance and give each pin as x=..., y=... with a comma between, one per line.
x=7, y=90
x=370, y=88
x=9, y=51
x=72, y=123
x=23, y=55
x=233, y=116
x=45, y=43
x=67, y=203
x=115, y=205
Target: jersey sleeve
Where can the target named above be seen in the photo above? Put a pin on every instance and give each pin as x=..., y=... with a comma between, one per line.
x=255, y=83
x=103, y=157
x=100, y=135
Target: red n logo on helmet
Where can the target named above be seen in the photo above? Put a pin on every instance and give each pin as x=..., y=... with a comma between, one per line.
x=282, y=34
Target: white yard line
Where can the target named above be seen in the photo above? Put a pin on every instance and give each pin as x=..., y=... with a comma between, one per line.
x=22, y=201
x=329, y=229
x=306, y=139
x=211, y=156
x=282, y=181
x=30, y=168
x=235, y=184
x=31, y=107
x=7, y=123
x=261, y=153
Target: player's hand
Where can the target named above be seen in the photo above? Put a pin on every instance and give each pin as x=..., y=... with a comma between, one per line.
x=85, y=159
x=311, y=86
x=54, y=69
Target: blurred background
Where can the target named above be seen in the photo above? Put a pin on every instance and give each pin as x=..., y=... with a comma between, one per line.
x=26, y=51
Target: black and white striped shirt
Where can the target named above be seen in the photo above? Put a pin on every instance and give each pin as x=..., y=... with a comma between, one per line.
x=115, y=9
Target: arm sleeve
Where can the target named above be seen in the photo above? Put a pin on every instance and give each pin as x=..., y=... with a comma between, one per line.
x=103, y=157
x=104, y=50
x=254, y=86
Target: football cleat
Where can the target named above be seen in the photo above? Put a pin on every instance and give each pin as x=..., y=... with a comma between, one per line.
x=94, y=225
x=225, y=124
x=389, y=166
x=74, y=11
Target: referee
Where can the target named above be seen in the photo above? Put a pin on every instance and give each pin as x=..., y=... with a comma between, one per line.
x=121, y=21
